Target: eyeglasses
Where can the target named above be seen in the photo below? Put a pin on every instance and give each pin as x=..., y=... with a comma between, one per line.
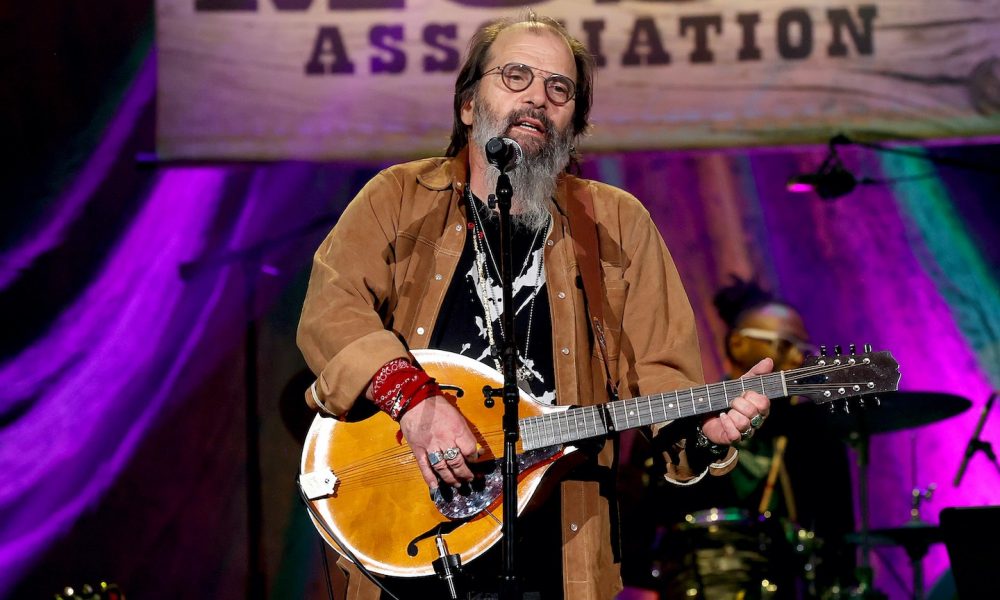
x=517, y=77
x=780, y=342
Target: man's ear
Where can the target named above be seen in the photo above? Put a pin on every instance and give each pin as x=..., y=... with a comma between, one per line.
x=467, y=110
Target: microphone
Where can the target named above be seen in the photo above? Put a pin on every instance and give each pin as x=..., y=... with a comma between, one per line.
x=975, y=443
x=504, y=153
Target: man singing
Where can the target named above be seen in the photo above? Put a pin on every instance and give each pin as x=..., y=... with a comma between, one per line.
x=412, y=263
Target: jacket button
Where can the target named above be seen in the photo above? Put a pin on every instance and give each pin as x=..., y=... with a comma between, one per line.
x=561, y=295
x=573, y=527
x=550, y=243
x=565, y=350
x=438, y=277
x=458, y=228
x=420, y=331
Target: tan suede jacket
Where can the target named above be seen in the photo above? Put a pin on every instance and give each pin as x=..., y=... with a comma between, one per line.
x=378, y=281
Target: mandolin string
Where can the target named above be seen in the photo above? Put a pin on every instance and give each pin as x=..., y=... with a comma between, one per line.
x=400, y=454
x=375, y=467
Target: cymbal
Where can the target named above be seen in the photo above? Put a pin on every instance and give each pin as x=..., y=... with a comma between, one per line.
x=895, y=411
x=914, y=536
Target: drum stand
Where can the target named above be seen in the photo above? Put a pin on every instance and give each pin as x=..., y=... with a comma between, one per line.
x=915, y=537
x=860, y=441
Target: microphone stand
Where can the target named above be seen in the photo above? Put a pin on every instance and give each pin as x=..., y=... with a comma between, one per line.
x=976, y=444
x=509, y=584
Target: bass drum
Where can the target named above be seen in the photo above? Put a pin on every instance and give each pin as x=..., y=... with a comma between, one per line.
x=725, y=554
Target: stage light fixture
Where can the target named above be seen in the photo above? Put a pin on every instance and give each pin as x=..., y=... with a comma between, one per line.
x=829, y=182
x=832, y=180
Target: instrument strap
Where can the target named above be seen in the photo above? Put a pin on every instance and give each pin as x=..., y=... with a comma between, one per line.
x=583, y=228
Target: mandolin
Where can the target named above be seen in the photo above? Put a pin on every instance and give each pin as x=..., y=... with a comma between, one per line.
x=363, y=482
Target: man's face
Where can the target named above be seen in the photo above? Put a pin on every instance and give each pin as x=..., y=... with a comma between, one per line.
x=773, y=330
x=528, y=116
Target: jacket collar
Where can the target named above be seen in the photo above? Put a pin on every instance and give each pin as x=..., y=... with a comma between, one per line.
x=450, y=173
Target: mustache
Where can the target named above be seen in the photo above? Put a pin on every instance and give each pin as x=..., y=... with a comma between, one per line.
x=535, y=114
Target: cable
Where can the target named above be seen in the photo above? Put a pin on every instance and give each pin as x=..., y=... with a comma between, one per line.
x=326, y=567
x=343, y=549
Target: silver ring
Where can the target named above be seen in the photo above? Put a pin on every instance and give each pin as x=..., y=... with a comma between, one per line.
x=746, y=435
x=452, y=453
x=434, y=458
x=757, y=421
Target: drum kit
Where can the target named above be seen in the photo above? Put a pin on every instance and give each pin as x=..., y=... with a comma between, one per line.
x=736, y=554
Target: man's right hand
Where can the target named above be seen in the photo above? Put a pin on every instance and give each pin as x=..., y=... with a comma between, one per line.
x=435, y=425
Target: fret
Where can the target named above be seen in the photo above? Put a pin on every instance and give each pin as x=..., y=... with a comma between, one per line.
x=614, y=411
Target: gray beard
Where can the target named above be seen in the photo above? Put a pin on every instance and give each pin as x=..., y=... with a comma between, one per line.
x=534, y=180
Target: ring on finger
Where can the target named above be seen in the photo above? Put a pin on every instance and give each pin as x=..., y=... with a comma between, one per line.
x=452, y=453
x=746, y=435
x=434, y=458
x=757, y=421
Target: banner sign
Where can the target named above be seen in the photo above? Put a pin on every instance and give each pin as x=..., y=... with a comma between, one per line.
x=326, y=79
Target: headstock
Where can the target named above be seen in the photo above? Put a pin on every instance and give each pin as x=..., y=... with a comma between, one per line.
x=840, y=376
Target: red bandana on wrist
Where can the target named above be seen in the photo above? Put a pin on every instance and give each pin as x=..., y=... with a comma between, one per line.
x=399, y=386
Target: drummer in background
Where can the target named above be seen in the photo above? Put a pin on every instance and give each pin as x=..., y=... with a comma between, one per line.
x=810, y=489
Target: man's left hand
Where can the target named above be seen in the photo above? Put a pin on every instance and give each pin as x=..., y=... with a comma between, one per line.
x=738, y=422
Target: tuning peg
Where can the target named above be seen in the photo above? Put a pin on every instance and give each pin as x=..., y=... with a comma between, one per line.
x=832, y=407
x=877, y=401
x=822, y=350
x=854, y=348
x=868, y=348
x=837, y=350
x=847, y=407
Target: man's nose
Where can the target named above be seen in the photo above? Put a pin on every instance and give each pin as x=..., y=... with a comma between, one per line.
x=535, y=93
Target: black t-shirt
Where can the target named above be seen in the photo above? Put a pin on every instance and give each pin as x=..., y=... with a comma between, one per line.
x=464, y=322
